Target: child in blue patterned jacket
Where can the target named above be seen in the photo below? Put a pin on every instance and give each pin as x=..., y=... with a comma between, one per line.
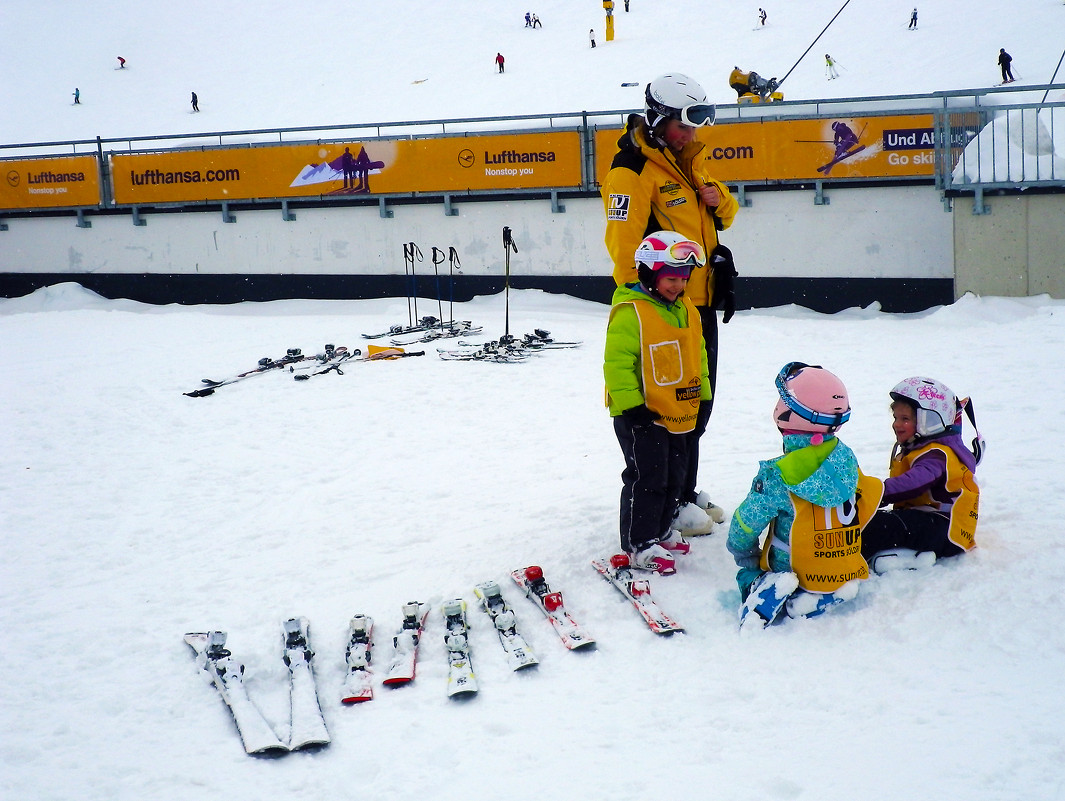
x=814, y=500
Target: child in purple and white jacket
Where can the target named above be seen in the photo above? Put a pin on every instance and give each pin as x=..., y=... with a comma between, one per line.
x=932, y=483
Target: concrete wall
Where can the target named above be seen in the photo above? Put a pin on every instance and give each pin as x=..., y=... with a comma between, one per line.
x=881, y=232
x=1017, y=249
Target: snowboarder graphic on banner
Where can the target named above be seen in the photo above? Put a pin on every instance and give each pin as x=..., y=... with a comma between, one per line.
x=499, y=61
x=591, y=36
x=762, y=15
x=1004, y=61
x=830, y=67
x=843, y=138
x=195, y=102
x=913, y=20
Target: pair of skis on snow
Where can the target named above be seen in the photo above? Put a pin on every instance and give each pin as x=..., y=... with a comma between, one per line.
x=306, y=724
x=507, y=348
x=303, y=367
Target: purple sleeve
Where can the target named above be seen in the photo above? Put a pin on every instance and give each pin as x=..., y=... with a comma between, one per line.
x=923, y=475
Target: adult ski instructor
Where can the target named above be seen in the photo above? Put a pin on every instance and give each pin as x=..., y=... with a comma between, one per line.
x=660, y=181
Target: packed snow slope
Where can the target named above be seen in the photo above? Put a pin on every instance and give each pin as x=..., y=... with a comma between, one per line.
x=279, y=64
x=132, y=514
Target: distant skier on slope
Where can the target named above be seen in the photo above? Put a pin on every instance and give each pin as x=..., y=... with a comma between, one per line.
x=830, y=67
x=913, y=20
x=1004, y=61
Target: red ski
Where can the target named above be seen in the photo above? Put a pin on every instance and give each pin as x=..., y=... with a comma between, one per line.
x=404, y=659
x=618, y=572
x=536, y=589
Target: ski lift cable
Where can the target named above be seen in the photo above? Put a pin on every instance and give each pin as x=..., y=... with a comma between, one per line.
x=808, y=49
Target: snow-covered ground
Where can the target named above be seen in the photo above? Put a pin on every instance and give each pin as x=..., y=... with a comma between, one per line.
x=130, y=514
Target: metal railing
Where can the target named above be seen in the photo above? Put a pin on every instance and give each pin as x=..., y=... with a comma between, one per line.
x=999, y=138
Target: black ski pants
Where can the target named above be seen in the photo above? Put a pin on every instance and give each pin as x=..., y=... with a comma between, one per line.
x=655, y=466
x=710, y=338
x=908, y=528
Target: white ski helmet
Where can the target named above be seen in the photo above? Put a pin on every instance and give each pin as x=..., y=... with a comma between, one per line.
x=667, y=253
x=937, y=407
x=677, y=97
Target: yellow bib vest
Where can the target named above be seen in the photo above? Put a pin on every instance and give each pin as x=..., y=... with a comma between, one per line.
x=670, y=365
x=826, y=544
x=960, y=482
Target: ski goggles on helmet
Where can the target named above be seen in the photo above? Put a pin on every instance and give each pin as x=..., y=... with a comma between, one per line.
x=786, y=374
x=695, y=114
x=685, y=253
x=698, y=114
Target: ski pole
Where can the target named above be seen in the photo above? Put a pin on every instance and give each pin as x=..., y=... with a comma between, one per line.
x=453, y=258
x=415, y=251
x=408, y=264
x=508, y=243
x=439, y=297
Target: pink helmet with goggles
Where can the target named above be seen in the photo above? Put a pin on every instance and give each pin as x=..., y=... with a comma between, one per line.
x=667, y=253
x=811, y=399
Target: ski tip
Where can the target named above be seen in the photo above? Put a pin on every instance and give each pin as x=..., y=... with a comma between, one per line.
x=356, y=699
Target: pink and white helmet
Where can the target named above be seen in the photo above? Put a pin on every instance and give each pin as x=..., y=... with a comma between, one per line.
x=667, y=253
x=937, y=407
x=811, y=399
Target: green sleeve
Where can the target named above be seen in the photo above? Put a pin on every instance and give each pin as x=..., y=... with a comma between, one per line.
x=621, y=360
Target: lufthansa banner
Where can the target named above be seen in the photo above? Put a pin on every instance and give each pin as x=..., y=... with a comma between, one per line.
x=776, y=150
x=446, y=164
x=50, y=183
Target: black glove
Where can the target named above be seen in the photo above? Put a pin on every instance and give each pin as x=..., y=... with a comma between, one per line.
x=702, y=417
x=640, y=416
x=724, y=284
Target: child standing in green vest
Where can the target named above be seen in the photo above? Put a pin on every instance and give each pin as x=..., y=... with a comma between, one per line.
x=814, y=501
x=656, y=377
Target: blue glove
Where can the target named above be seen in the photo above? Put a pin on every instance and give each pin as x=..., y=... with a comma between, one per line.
x=745, y=578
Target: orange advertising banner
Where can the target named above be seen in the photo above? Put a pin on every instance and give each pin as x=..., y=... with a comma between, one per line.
x=50, y=183
x=445, y=164
x=777, y=150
